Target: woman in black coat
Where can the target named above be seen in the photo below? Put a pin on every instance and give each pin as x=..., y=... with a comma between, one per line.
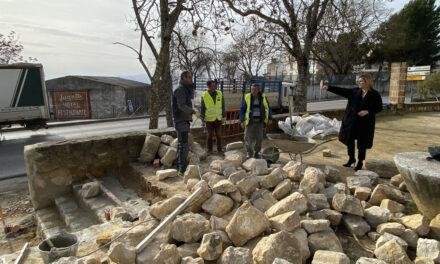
x=360, y=117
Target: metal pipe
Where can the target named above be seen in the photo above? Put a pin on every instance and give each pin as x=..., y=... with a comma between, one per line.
x=22, y=254
x=141, y=246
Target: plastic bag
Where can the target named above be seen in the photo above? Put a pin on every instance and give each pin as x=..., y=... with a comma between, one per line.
x=310, y=126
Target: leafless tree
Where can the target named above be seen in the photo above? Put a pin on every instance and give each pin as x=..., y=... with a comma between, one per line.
x=156, y=21
x=294, y=22
x=252, y=48
x=11, y=49
x=343, y=39
x=230, y=60
x=192, y=52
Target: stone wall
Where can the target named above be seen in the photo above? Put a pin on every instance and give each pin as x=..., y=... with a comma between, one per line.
x=422, y=107
x=398, y=84
x=53, y=166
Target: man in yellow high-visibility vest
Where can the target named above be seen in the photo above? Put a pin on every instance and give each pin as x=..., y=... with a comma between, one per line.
x=254, y=116
x=213, y=115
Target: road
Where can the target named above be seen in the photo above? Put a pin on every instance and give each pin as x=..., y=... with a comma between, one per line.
x=11, y=147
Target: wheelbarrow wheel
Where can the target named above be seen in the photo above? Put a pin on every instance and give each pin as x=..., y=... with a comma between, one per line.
x=270, y=154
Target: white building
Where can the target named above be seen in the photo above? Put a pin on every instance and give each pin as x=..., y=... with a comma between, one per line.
x=286, y=68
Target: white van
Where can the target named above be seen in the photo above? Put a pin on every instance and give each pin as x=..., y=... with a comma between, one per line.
x=23, y=97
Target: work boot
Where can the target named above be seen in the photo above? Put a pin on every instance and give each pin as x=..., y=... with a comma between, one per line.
x=359, y=165
x=350, y=162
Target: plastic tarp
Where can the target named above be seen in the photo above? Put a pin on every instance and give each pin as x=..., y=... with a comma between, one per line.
x=312, y=126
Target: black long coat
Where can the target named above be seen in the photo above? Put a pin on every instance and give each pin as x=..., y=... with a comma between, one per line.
x=353, y=126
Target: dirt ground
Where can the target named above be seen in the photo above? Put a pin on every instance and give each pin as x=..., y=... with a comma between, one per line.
x=394, y=134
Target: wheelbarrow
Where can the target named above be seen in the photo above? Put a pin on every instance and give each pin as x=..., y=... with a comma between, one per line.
x=294, y=146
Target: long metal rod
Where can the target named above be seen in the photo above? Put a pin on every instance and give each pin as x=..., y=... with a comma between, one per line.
x=22, y=254
x=141, y=246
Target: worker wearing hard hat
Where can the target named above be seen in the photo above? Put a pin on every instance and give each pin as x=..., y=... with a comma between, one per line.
x=254, y=116
x=213, y=115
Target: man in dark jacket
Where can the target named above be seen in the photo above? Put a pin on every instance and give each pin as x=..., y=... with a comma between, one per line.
x=182, y=116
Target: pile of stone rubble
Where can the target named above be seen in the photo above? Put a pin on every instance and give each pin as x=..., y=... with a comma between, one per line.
x=250, y=212
x=163, y=151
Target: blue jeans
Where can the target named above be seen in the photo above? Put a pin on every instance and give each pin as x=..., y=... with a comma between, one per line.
x=182, y=150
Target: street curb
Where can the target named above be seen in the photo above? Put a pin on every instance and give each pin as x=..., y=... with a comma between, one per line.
x=80, y=123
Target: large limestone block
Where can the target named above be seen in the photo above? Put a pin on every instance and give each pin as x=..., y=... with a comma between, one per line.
x=224, y=186
x=333, y=216
x=163, y=208
x=294, y=202
x=288, y=221
x=324, y=240
x=429, y=248
x=121, y=254
x=356, y=224
x=416, y=222
x=365, y=260
x=387, y=237
x=218, y=205
x=313, y=180
x=392, y=206
x=392, y=228
x=236, y=255
x=150, y=148
x=248, y=222
x=385, y=168
x=257, y=166
x=314, y=226
x=166, y=139
x=301, y=235
x=262, y=199
x=294, y=169
x=170, y=156
x=347, y=204
x=165, y=174
x=435, y=227
x=189, y=228
x=376, y=215
x=330, y=257
x=392, y=252
x=211, y=246
x=282, y=189
x=382, y=191
x=279, y=245
x=168, y=253
x=238, y=145
x=422, y=178
x=247, y=185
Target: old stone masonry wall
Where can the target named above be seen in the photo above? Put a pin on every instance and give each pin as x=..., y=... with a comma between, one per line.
x=52, y=167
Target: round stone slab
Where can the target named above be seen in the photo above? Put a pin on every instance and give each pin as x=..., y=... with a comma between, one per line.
x=422, y=178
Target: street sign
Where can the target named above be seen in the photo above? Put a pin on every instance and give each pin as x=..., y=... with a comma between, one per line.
x=419, y=68
x=415, y=73
x=415, y=78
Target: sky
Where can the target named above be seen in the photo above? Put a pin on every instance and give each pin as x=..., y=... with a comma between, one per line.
x=76, y=37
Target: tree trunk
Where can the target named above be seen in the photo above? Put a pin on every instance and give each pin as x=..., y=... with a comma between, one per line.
x=300, y=96
x=161, y=88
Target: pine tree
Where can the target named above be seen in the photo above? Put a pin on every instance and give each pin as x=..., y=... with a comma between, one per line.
x=412, y=35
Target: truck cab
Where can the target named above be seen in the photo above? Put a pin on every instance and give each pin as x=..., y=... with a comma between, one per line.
x=23, y=97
